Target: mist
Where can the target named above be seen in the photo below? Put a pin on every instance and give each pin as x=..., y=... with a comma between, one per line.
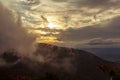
x=13, y=34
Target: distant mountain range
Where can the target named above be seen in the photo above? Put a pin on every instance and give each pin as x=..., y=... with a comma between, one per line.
x=55, y=63
x=110, y=54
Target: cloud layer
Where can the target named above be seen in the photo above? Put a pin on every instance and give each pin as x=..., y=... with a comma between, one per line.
x=102, y=34
x=77, y=20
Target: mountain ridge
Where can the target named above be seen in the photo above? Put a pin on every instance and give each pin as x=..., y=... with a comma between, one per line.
x=59, y=63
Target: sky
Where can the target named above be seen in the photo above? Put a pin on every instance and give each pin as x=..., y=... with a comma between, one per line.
x=70, y=23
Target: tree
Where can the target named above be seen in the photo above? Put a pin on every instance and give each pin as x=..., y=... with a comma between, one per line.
x=10, y=56
x=113, y=71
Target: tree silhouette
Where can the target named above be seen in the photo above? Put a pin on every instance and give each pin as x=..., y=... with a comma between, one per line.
x=113, y=71
x=10, y=56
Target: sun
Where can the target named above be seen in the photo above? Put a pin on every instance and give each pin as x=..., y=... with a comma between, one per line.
x=51, y=25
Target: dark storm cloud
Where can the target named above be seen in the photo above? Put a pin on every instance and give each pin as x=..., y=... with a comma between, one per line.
x=12, y=33
x=108, y=29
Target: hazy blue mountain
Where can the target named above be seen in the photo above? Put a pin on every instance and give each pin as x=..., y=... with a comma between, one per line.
x=111, y=54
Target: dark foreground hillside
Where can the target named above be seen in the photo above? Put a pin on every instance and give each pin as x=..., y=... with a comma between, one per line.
x=56, y=63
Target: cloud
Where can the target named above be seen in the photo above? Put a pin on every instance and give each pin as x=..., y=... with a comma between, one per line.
x=100, y=34
x=12, y=33
x=72, y=15
x=60, y=0
x=100, y=41
x=108, y=29
x=94, y=7
x=95, y=3
x=30, y=2
x=33, y=2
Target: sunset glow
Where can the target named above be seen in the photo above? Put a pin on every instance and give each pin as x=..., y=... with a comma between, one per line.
x=73, y=21
x=47, y=40
x=52, y=26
